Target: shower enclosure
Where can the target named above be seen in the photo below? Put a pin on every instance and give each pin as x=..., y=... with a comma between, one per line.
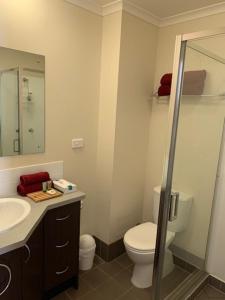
x=196, y=128
x=21, y=111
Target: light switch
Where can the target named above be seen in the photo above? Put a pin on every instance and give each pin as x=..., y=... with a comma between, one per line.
x=77, y=143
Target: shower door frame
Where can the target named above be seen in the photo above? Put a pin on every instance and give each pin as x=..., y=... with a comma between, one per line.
x=166, y=186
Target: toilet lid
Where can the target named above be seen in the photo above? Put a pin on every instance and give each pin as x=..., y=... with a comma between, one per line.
x=143, y=237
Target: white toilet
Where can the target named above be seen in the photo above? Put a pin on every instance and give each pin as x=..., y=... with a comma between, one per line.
x=140, y=240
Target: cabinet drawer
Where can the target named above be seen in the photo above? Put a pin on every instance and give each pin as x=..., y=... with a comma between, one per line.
x=60, y=226
x=61, y=266
x=62, y=230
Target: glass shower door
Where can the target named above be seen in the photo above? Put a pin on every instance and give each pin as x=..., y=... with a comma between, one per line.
x=197, y=115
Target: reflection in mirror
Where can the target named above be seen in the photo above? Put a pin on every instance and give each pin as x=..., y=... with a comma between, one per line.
x=22, y=102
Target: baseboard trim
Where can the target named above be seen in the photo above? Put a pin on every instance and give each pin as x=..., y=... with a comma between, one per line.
x=109, y=252
x=188, y=257
x=183, y=264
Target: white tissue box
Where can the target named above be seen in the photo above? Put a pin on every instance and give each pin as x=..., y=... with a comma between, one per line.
x=64, y=186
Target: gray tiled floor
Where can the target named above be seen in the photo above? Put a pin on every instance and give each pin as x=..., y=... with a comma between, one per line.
x=111, y=281
x=210, y=293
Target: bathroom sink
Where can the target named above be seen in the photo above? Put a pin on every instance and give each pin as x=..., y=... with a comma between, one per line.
x=12, y=212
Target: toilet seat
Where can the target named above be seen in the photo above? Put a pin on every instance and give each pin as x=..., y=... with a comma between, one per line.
x=134, y=250
x=142, y=238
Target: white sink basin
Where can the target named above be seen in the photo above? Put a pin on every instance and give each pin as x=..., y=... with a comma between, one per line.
x=12, y=212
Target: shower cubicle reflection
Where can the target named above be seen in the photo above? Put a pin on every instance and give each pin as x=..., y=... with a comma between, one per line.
x=198, y=143
x=33, y=111
x=22, y=102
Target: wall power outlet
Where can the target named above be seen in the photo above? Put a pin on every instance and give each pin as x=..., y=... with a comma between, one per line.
x=77, y=143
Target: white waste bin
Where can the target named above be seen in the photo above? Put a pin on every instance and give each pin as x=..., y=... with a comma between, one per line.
x=87, y=252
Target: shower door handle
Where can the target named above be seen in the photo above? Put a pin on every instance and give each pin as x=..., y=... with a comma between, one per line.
x=174, y=201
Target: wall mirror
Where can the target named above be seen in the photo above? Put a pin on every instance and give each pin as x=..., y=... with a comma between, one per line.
x=22, y=102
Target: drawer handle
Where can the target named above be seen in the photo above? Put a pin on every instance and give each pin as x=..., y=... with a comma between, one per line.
x=62, y=272
x=64, y=245
x=64, y=218
x=10, y=278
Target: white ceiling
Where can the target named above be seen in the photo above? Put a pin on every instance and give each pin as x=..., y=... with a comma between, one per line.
x=167, y=8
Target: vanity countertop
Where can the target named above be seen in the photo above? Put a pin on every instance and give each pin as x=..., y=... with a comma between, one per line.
x=17, y=236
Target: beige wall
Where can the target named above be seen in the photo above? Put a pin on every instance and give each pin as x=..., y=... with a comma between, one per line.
x=127, y=68
x=70, y=39
x=137, y=66
x=201, y=126
x=110, y=56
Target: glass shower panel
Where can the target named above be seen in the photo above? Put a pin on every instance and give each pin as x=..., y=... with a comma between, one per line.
x=199, y=136
x=9, y=112
x=33, y=111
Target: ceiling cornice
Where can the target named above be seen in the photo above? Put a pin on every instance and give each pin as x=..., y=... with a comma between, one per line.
x=194, y=14
x=146, y=15
x=140, y=12
x=112, y=7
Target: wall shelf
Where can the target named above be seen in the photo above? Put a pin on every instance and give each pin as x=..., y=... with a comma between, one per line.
x=165, y=99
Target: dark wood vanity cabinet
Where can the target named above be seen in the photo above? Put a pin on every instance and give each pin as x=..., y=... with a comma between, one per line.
x=61, y=235
x=32, y=266
x=48, y=262
x=11, y=276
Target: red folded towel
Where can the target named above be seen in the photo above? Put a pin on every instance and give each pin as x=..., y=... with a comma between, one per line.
x=164, y=90
x=23, y=190
x=166, y=79
x=34, y=178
